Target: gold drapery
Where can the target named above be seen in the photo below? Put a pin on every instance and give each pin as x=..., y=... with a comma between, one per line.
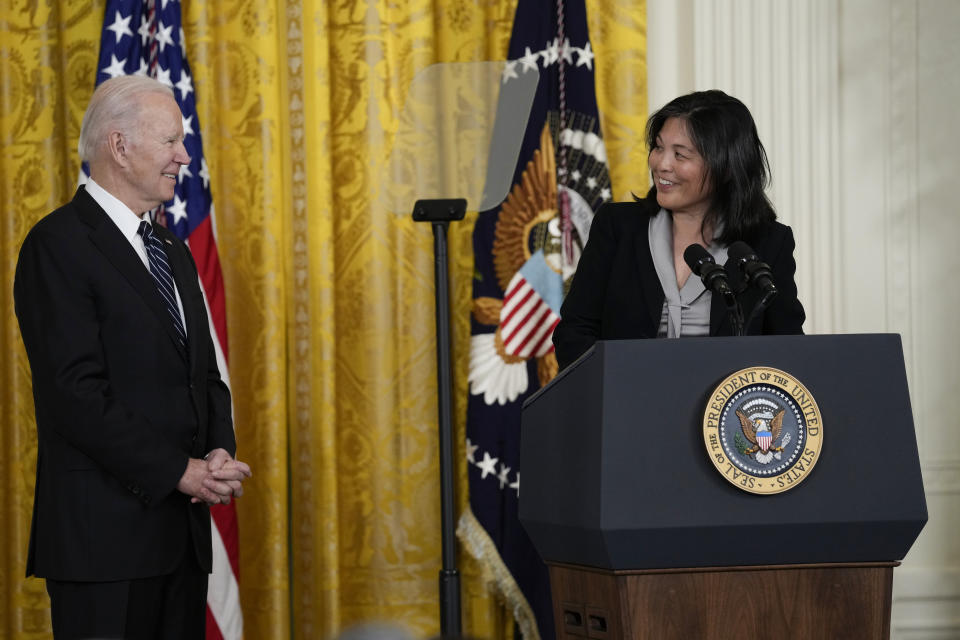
x=329, y=297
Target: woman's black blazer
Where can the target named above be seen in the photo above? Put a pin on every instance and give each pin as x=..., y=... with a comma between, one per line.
x=616, y=293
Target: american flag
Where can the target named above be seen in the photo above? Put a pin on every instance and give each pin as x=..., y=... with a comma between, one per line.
x=141, y=38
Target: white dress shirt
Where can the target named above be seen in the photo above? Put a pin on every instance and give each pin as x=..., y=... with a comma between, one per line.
x=129, y=224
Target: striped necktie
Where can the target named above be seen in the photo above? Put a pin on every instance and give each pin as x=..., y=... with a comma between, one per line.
x=160, y=270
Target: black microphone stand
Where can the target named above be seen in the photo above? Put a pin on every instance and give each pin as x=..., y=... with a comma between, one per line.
x=735, y=312
x=761, y=305
x=714, y=279
x=755, y=273
x=439, y=213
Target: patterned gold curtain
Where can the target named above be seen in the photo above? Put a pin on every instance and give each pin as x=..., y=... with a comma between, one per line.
x=329, y=297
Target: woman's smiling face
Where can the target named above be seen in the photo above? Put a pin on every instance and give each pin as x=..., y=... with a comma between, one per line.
x=679, y=171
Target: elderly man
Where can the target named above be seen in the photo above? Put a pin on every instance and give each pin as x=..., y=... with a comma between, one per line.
x=134, y=430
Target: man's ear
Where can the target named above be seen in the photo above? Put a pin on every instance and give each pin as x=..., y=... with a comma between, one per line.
x=117, y=145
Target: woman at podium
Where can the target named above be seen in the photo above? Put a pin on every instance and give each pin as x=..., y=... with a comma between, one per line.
x=709, y=173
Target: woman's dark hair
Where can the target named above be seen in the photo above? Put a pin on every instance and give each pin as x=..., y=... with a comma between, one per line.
x=722, y=129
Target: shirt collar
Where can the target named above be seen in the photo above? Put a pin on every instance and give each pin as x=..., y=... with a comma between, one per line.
x=660, y=237
x=126, y=220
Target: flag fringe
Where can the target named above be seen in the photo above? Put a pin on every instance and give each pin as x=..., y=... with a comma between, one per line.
x=479, y=545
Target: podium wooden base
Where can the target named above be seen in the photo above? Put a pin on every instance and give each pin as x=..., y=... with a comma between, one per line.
x=717, y=603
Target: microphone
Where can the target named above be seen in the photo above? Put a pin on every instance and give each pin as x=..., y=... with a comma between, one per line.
x=754, y=271
x=702, y=264
x=715, y=279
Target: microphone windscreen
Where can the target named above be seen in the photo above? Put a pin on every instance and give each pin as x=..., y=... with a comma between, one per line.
x=740, y=250
x=696, y=256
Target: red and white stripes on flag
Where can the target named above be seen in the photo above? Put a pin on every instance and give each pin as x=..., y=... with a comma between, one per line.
x=224, y=617
x=764, y=440
x=531, y=309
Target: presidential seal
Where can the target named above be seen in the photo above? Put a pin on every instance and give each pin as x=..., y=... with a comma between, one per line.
x=762, y=430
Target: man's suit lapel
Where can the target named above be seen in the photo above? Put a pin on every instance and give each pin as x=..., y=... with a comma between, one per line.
x=117, y=250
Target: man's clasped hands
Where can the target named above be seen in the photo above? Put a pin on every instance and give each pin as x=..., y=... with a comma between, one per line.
x=215, y=479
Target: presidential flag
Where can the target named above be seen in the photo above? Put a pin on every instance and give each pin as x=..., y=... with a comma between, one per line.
x=145, y=37
x=525, y=253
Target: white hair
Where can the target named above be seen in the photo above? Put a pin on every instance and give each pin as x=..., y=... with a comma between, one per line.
x=114, y=105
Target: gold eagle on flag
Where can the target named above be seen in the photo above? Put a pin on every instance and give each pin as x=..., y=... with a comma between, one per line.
x=524, y=219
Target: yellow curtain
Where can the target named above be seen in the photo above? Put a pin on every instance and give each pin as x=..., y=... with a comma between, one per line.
x=329, y=296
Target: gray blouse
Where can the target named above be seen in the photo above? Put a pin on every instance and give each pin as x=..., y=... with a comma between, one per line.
x=686, y=311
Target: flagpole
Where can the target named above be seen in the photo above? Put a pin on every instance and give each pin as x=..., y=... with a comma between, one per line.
x=439, y=213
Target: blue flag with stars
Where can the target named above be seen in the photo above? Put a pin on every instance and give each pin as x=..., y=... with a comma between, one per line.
x=525, y=254
x=145, y=37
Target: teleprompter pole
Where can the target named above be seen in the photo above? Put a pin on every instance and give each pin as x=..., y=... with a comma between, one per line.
x=439, y=213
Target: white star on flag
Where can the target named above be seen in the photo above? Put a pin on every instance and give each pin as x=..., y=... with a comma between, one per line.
x=184, y=172
x=163, y=75
x=566, y=51
x=509, y=71
x=592, y=182
x=144, y=30
x=116, y=67
x=605, y=193
x=204, y=173
x=471, y=449
x=187, y=126
x=121, y=27
x=185, y=85
x=178, y=209
x=529, y=60
x=516, y=485
x=488, y=465
x=164, y=36
x=503, y=476
x=552, y=53
x=585, y=57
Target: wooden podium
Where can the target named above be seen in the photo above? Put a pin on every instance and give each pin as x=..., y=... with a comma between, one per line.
x=813, y=602
x=645, y=539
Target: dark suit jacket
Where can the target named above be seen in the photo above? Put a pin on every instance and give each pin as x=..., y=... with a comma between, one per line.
x=616, y=293
x=120, y=405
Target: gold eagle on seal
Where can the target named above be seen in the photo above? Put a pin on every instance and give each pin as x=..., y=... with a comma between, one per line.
x=762, y=433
